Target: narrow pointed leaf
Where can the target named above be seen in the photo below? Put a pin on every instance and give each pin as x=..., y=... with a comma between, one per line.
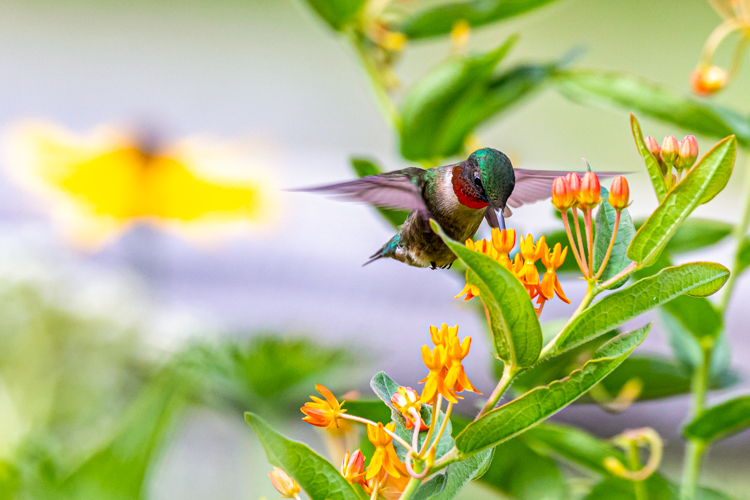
x=441, y=19
x=515, y=327
x=623, y=91
x=624, y=305
x=652, y=164
x=721, y=421
x=533, y=407
x=319, y=479
x=605, y=224
x=702, y=182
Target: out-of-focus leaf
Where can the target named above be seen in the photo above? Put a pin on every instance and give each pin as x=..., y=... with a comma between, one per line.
x=460, y=474
x=517, y=471
x=744, y=256
x=515, y=326
x=528, y=410
x=605, y=223
x=652, y=164
x=696, y=233
x=337, y=13
x=613, y=488
x=720, y=421
x=440, y=20
x=371, y=410
x=431, y=103
x=624, y=91
x=319, y=479
x=703, y=181
x=624, y=305
x=364, y=167
x=697, y=315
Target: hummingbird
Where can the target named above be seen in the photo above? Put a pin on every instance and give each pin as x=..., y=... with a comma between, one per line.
x=457, y=196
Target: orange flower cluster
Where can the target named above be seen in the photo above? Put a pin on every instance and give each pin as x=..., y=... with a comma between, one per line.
x=673, y=153
x=523, y=266
x=386, y=473
x=447, y=375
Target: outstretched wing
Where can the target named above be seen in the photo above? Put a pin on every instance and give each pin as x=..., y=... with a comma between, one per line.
x=397, y=190
x=536, y=185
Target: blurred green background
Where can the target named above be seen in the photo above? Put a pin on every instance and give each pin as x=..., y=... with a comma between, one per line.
x=145, y=353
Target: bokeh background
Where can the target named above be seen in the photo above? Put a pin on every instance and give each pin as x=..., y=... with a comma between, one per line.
x=271, y=78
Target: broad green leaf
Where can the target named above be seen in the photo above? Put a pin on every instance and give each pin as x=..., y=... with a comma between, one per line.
x=697, y=315
x=515, y=326
x=337, y=13
x=431, y=487
x=720, y=421
x=605, y=224
x=522, y=413
x=317, y=477
x=624, y=305
x=384, y=387
x=520, y=472
x=696, y=233
x=652, y=164
x=703, y=180
x=743, y=258
x=430, y=104
x=441, y=19
x=364, y=167
x=624, y=91
x=460, y=474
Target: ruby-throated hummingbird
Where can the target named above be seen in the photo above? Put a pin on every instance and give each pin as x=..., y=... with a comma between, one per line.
x=457, y=196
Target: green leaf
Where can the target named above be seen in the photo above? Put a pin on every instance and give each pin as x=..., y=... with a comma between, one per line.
x=533, y=407
x=431, y=487
x=624, y=91
x=605, y=223
x=520, y=472
x=696, y=233
x=613, y=488
x=697, y=315
x=515, y=326
x=384, y=387
x=446, y=440
x=337, y=13
x=440, y=20
x=702, y=182
x=371, y=410
x=460, y=474
x=319, y=479
x=431, y=103
x=652, y=164
x=720, y=421
x=364, y=167
x=624, y=305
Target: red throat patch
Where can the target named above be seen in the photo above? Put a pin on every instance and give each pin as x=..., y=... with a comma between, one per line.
x=465, y=192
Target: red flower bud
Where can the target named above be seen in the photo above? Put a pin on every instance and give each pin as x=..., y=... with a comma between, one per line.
x=562, y=197
x=707, y=80
x=574, y=184
x=653, y=146
x=619, y=193
x=591, y=193
x=670, y=150
x=688, y=148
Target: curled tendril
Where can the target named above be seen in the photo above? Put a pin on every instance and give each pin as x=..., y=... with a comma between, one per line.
x=410, y=469
x=634, y=438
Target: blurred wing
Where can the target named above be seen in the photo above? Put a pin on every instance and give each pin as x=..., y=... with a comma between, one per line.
x=536, y=185
x=399, y=190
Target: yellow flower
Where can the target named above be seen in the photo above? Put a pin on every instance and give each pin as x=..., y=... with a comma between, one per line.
x=443, y=335
x=406, y=401
x=550, y=282
x=471, y=291
x=503, y=240
x=102, y=182
x=456, y=377
x=323, y=413
x=285, y=485
x=381, y=459
x=434, y=382
x=528, y=274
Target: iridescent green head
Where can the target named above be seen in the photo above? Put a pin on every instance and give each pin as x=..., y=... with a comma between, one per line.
x=492, y=175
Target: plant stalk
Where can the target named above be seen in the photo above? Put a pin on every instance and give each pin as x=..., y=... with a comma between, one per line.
x=573, y=245
x=740, y=230
x=509, y=371
x=695, y=448
x=641, y=493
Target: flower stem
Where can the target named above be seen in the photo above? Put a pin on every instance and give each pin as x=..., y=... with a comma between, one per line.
x=695, y=448
x=640, y=487
x=589, y=240
x=509, y=371
x=370, y=422
x=573, y=245
x=386, y=104
x=442, y=427
x=433, y=422
x=611, y=245
x=580, y=241
x=411, y=489
x=629, y=269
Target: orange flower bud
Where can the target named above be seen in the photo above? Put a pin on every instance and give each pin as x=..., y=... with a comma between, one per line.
x=285, y=485
x=688, y=149
x=670, y=150
x=707, y=80
x=653, y=146
x=562, y=198
x=591, y=194
x=619, y=193
x=574, y=183
x=353, y=467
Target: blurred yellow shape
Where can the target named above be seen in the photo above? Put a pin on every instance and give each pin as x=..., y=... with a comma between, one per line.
x=109, y=177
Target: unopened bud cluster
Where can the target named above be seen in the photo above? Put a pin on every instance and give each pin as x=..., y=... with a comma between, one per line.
x=673, y=153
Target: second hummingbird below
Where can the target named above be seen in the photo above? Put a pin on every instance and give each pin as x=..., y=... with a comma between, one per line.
x=457, y=196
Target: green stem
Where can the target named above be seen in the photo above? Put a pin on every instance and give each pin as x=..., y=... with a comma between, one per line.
x=640, y=487
x=739, y=236
x=695, y=448
x=509, y=372
x=591, y=293
x=411, y=489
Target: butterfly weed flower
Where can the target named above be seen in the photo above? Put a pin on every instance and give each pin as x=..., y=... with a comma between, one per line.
x=324, y=413
x=550, y=285
x=353, y=467
x=529, y=275
x=435, y=360
x=456, y=378
x=443, y=335
x=382, y=458
x=285, y=485
x=688, y=153
x=406, y=401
